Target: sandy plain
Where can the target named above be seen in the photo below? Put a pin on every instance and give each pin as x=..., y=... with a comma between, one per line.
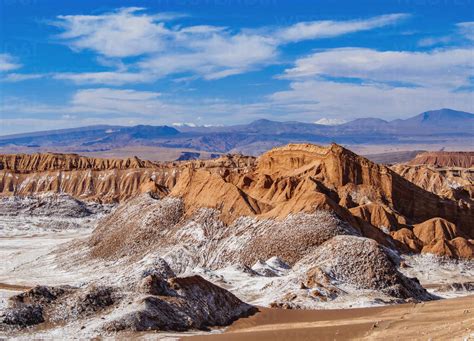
x=448, y=319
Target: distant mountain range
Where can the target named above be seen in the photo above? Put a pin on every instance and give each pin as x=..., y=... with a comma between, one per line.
x=255, y=137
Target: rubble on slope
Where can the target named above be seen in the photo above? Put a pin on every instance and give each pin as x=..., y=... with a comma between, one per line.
x=442, y=275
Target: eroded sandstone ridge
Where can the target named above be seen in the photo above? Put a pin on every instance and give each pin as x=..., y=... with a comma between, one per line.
x=298, y=178
x=449, y=182
x=444, y=159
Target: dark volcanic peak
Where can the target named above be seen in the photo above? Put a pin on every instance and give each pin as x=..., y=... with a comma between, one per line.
x=89, y=136
x=186, y=156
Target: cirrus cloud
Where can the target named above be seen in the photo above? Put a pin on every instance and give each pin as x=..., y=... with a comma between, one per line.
x=330, y=28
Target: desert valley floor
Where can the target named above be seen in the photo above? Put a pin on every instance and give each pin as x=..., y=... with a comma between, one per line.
x=301, y=241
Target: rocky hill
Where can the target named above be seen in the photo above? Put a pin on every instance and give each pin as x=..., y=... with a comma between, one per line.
x=444, y=159
x=448, y=182
x=153, y=300
x=291, y=251
x=298, y=178
x=447, y=174
x=31, y=163
x=103, y=180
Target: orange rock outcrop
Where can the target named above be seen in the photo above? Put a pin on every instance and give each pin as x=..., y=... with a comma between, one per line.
x=373, y=198
x=444, y=159
x=448, y=182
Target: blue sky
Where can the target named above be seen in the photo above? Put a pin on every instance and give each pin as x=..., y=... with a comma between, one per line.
x=213, y=62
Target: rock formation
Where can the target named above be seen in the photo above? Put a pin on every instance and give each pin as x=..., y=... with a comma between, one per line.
x=290, y=248
x=298, y=178
x=146, y=223
x=363, y=263
x=441, y=237
x=30, y=163
x=447, y=182
x=155, y=300
x=47, y=204
x=444, y=159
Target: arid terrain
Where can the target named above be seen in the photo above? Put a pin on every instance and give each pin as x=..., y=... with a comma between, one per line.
x=97, y=246
x=440, y=320
x=237, y=170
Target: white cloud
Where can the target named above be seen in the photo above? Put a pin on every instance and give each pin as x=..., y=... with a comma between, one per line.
x=446, y=68
x=8, y=63
x=210, y=52
x=98, y=101
x=122, y=33
x=431, y=41
x=349, y=100
x=216, y=57
x=330, y=28
x=360, y=82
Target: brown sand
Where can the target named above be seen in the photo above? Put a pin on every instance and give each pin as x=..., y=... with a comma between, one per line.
x=451, y=319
